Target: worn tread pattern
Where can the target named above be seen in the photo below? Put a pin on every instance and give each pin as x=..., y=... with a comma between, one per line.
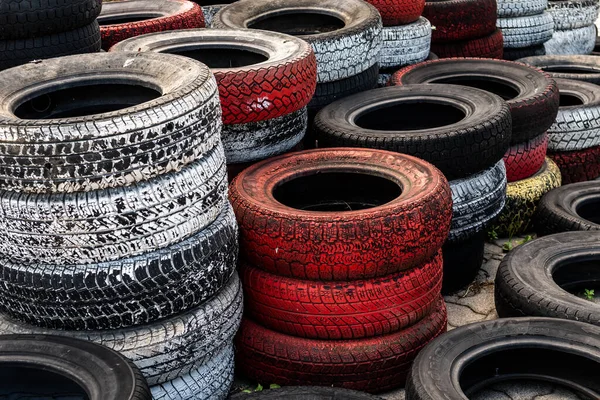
x=572, y=42
x=525, y=159
x=573, y=14
x=578, y=166
x=526, y=31
x=328, y=92
x=518, y=53
x=490, y=46
x=520, y=8
x=398, y=12
x=405, y=44
x=460, y=19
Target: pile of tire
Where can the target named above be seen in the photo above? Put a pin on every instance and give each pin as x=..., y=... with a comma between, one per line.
x=34, y=30
x=574, y=29
x=526, y=26
x=341, y=266
x=123, y=19
x=115, y=225
x=464, y=28
x=265, y=81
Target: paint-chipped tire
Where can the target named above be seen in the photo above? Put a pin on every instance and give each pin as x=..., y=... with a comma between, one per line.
x=398, y=12
x=148, y=17
x=520, y=8
x=517, y=53
x=460, y=19
x=526, y=31
x=490, y=46
x=306, y=393
x=579, y=68
x=167, y=349
x=578, y=166
x=525, y=159
x=328, y=92
x=572, y=14
x=572, y=42
x=462, y=261
x=346, y=49
x=375, y=240
x=345, y=310
x=373, y=365
x=405, y=44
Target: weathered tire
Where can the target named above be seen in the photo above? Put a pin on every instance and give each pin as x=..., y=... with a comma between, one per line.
x=507, y=349
x=341, y=50
x=572, y=42
x=578, y=166
x=526, y=31
x=169, y=348
x=328, y=92
x=146, y=17
x=398, y=12
x=209, y=12
x=306, y=393
x=525, y=159
x=42, y=152
x=533, y=106
x=572, y=14
x=460, y=19
x=461, y=146
x=489, y=46
x=518, y=53
x=462, y=260
x=578, y=68
x=375, y=240
x=276, y=76
x=385, y=74
x=372, y=365
x=405, y=44
x=520, y=8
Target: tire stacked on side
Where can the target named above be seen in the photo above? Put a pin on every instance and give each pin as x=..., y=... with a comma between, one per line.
x=341, y=266
x=39, y=29
x=115, y=224
x=574, y=29
x=464, y=28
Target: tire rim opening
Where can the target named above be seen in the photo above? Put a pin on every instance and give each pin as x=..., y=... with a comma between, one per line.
x=34, y=382
x=579, y=276
x=336, y=191
x=574, y=69
x=84, y=100
x=104, y=20
x=220, y=57
x=409, y=116
x=297, y=23
x=589, y=210
x=497, y=86
x=568, y=100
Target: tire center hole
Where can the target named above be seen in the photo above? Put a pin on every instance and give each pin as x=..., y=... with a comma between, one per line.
x=31, y=382
x=336, y=191
x=126, y=18
x=579, y=276
x=297, y=23
x=574, y=69
x=567, y=100
x=589, y=210
x=220, y=58
x=496, y=86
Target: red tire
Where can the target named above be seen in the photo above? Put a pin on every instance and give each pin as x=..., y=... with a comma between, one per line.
x=176, y=14
x=525, y=159
x=460, y=19
x=345, y=310
x=291, y=211
x=490, y=46
x=398, y=12
x=372, y=365
x=578, y=166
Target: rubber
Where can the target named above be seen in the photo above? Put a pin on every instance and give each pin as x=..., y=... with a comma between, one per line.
x=572, y=42
x=209, y=12
x=111, y=149
x=405, y=44
x=15, y=52
x=282, y=84
x=460, y=19
x=369, y=243
x=489, y=46
x=348, y=310
x=519, y=53
x=578, y=68
x=525, y=159
x=572, y=14
x=437, y=367
x=340, y=53
x=578, y=166
x=398, y=12
x=372, y=365
x=327, y=93
x=533, y=109
x=166, y=15
x=522, y=198
x=167, y=349
x=459, y=149
x=306, y=393
x=462, y=261
x=526, y=31
x=520, y=8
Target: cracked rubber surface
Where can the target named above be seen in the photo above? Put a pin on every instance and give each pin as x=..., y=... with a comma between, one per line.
x=526, y=31
x=520, y=8
x=572, y=14
x=398, y=12
x=460, y=19
x=579, y=68
x=579, y=165
x=572, y=42
x=405, y=44
x=525, y=159
x=489, y=46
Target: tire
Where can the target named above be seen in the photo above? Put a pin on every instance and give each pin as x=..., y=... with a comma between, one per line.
x=398, y=12
x=131, y=291
x=259, y=140
x=406, y=44
x=573, y=42
x=520, y=8
x=341, y=53
x=577, y=126
x=578, y=166
x=348, y=310
x=533, y=107
x=517, y=54
x=362, y=249
x=209, y=13
x=460, y=19
x=462, y=261
x=95, y=372
x=327, y=93
x=14, y=52
x=279, y=78
x=525, y=159
x=372, y=365
x=31, y=19
x=510, y=349
x=386, y=74
x=489, y=46
x=458, y=149
x=526, y=31
x=383, y=79
x=44, y=153
x=578, y=68
x=167, y=349
x=306, y=393
x=522, y=198
x=572, y=14
x=476, y=201
x=146, y=17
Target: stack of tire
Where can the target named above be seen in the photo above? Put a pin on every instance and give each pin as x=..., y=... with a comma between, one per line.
x=341, y=266
x=265, y=81
x=574, y=29
x=39, y=29
x=464, y=28
x=115, y=225
x=124, y=19
x=525, y=26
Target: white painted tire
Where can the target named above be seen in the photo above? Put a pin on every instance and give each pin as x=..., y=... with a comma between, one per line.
x=526, y=31
x=520, y=8
x=210, y=12
x=405, y=44
x=573, y=14
x=572, y=42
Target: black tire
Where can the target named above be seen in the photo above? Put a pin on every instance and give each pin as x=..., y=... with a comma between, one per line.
x=306, y=393
x=42, y=152
x=572, y=14
x=327, y=93
x=572, y=42
x=30, y=19
x=14, y=52
x=516, y=54
x=543, y=278
x=92, y=371
x=578, y=68
x=462, y=260
x=461, y=146
x=526, y=31
x=483, y=353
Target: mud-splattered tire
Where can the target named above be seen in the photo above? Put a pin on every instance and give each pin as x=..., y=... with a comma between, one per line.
x=526, y=31
x=525, y=159
x=398, y=12
x=460, y=19
x=578, y=68
x=489, y=46
x=578, y=166
x=405, y=44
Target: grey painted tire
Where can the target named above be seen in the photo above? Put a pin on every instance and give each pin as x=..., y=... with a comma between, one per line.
x=405, y=44
x=572, y=14
x=210, y=12
x=520, y=8
x=340, y=53
x=170, y=348
x=572, y=42
x=526, y=31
